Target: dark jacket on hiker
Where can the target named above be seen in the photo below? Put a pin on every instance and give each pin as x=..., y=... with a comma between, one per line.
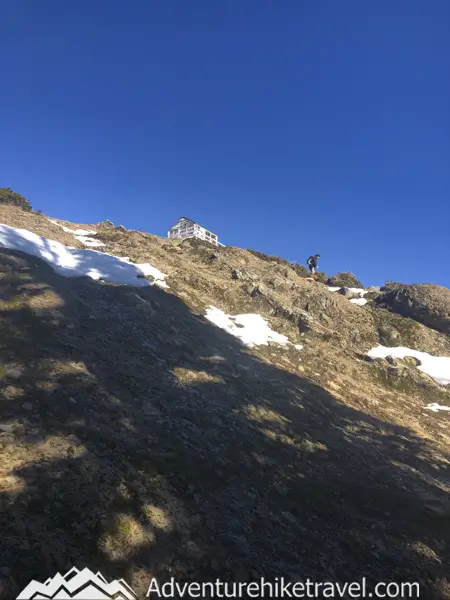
x=312, y=261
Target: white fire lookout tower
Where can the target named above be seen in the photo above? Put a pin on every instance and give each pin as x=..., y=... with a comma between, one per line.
x=185, y=228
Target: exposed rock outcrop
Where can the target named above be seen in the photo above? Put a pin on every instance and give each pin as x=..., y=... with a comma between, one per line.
x=426, y=303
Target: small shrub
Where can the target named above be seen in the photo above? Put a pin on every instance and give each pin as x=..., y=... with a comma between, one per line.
x=108, y=235
x=390, y=285
x=260, y=255
x=301, y=270
x=197, y=245
x=9, y=196
x=327, y=336
x=321, y=277
x=344, y=280
x=267, y=258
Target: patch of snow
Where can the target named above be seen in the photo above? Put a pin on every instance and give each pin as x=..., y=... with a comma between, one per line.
x=152, y=271
x=358, y=301
x=435, y=407
x=81, y=232
x=251, y=329
x=71, y=262
x=82, y=235
x=159, y=282
x=359, y=291
x=437, y=367
x=88, y=241
x=298, y=346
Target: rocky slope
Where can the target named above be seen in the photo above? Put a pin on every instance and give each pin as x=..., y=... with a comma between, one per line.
x=427, y=304
x=139, y=439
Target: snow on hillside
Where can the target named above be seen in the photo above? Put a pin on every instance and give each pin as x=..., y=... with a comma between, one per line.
x=82, y=235
x=81, y=232
x=361, y=301
x=251, y=329
x=89, y=241
x=437, y=367
x=435, y=407
x=361, y=291
x=71, y=262
x=358, y=301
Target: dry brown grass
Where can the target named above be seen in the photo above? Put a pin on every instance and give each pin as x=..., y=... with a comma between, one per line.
x=197, y=458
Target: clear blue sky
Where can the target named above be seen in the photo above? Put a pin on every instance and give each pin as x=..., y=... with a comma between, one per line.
x=289, y=126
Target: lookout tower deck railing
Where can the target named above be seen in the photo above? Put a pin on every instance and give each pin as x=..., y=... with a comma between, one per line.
x=185, y=228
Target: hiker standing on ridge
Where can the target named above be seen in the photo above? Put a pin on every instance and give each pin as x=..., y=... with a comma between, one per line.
x=312, y=263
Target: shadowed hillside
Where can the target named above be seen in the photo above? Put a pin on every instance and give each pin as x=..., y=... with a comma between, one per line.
x=139, y=439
